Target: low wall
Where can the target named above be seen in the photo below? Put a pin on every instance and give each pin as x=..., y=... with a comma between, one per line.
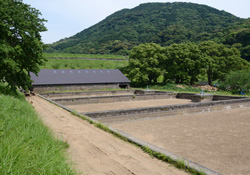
x=73, y=98
x=88, y=93
x=223, y=97
x=195, y=107
x=184, y=95
x=107, y=99
x=48, y=88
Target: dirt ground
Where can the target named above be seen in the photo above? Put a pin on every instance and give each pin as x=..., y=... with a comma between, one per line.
x=84, y=108
x=94, y=151
x=217, y=140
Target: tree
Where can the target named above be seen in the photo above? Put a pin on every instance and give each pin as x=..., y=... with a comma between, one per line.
x=183, y=63
x=144, y=63
x=20, y=43
x=220, y=60
x=237, y=81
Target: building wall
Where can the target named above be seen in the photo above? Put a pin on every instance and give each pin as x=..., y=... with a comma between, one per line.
x=51, y=88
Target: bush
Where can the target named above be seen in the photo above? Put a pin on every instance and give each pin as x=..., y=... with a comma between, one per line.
x=237, y=82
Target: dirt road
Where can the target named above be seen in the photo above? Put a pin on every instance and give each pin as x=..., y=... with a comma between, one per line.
x=96, y=152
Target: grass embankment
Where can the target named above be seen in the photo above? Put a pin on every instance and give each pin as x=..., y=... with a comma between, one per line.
x=26, y=145
x=96, y=56
x=83, y=64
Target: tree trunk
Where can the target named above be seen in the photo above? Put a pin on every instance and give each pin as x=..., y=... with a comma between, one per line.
x=209, y=76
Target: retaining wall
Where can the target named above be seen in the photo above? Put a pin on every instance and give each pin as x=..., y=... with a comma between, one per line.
x=48, y=88
x=223, y=97
x=195, y=107
x=88, y=93
x=117, y=98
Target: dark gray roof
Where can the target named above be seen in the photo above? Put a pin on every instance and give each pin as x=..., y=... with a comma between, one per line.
x=78, y=76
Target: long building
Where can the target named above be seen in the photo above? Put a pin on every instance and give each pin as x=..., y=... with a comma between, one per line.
x=78, y=79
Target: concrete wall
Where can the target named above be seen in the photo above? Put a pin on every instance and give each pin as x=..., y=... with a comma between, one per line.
x=184, y=95
x=195, y=107
x=88, y=93
x=223, y=97
x=107, y=99
x=51, y=88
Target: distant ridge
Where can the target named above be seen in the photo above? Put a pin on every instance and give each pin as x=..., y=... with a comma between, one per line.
x=162, y=23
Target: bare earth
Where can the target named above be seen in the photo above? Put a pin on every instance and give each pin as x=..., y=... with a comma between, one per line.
x=217, y=140
x=96, y=152
x=126, y=105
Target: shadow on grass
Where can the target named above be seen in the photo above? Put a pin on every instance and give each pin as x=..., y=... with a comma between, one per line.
x=5, y=90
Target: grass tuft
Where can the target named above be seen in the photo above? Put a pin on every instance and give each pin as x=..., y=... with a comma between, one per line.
x=26, y=145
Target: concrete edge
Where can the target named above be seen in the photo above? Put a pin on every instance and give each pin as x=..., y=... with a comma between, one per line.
x=83, y=92
x=133, y=139
x=174, y=107
x=173, y=156
x=65, y=108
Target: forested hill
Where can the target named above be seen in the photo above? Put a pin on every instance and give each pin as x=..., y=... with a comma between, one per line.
x=162, y=23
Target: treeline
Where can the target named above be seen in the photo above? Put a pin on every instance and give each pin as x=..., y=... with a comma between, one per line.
x=185, y=63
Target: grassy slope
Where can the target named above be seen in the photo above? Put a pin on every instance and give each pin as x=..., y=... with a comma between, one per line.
x=83, y=64
x=26, y=145
x=68, y=55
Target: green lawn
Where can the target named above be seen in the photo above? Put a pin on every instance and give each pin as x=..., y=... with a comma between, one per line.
x=83, y=64
x=26, y=145
x=69, y=55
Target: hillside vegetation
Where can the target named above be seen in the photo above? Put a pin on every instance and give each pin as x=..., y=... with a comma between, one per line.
x=83, y=64
x=239, y=36
x=83, y=56
x=161, y=23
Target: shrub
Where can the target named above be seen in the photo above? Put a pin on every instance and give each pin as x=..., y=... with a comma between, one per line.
x=237, y=82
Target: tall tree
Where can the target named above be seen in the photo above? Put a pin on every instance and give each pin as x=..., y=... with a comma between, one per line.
x=144, y=63
x=183, y=63
x=220, y=60
x=20, y=42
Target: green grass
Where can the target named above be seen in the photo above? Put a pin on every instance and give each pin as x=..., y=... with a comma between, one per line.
x=26, y=145
x=69, y=55
x=83, y=64
x=171, y=87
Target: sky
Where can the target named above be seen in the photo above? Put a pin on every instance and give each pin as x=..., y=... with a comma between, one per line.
x=68, y=17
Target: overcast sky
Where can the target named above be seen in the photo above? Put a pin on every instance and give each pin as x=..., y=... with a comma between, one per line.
x=68, y=17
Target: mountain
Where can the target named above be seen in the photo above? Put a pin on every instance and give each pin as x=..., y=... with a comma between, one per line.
x=239, y=36
x=162, y=23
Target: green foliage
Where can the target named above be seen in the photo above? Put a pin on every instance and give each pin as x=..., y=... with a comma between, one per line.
x=20, y=42
x=26, y=145
x=237, y=82
x=144, y=63
x=95, y=56
x=172, y=87
x=220, y=60
x=183, y=63
x=83, y=64
x=161, y=23
x=239, y=34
